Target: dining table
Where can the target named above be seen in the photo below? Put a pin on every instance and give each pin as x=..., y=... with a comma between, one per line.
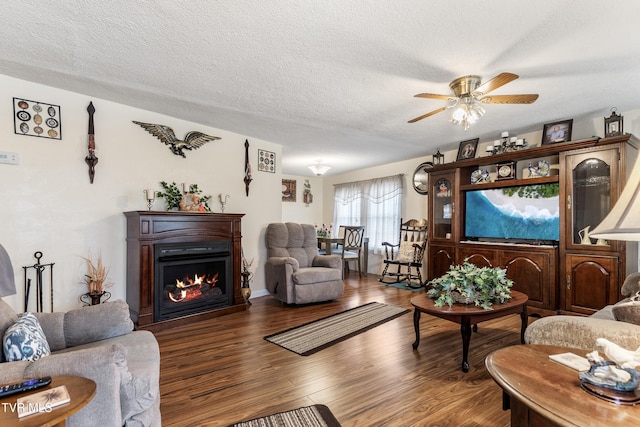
x=330, y=241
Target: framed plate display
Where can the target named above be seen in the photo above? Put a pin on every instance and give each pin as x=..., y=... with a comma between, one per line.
x=266, y=161
x=505, y=170
x=421, y=178
x=34, y=118
x=479, y=176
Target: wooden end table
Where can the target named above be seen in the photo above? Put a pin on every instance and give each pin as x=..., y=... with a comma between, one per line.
x=81, y=390
x=544, y=393
x=467, y=315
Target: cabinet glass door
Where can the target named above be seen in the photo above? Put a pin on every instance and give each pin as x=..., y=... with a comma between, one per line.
x=590, y=194
x=442, y=208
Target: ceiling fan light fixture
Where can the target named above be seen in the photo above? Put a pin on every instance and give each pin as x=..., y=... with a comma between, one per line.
x=319, y=169
x=466, y=111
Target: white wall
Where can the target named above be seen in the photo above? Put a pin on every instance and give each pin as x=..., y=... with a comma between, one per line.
x=47, y=203
x=300, y=212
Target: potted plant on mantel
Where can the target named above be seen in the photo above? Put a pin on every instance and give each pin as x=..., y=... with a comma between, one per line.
x=468, y=283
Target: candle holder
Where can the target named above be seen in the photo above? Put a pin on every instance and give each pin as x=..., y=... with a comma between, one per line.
x=222, y=198
x=506, y=144
x=150, y=196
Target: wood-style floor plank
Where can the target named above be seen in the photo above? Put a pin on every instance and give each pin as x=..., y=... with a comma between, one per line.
x=221, y=371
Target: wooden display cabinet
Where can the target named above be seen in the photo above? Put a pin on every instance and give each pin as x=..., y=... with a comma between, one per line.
x=443, y=198
x=594, y=269
x=570, y=276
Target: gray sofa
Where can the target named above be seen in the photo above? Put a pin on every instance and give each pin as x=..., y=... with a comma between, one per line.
x=619, y=323
x=99, y=343
x=294, y=272
x=96, y=342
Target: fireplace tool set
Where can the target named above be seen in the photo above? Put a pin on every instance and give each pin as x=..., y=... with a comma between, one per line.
x=39, y=276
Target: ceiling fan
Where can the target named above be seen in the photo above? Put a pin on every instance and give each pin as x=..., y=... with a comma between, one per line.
x=469, y=93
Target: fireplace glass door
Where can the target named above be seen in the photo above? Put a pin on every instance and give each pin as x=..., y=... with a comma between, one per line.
x=192, y=278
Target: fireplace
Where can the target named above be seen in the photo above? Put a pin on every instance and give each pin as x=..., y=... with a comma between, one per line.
x=182, y=267
x=191, y=277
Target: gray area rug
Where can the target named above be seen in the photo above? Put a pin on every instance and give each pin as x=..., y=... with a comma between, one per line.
x=314, y=336
x=309, y=416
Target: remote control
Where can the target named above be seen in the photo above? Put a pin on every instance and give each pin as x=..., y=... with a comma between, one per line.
x=23, y=386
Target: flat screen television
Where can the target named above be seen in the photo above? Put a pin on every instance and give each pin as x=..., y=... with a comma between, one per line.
x=528, y=213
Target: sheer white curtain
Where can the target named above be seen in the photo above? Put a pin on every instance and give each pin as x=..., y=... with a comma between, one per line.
x=374, y=203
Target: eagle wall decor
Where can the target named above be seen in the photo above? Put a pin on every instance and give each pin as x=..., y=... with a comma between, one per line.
x=192, y=140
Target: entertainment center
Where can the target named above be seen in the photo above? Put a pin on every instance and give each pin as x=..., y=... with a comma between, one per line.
x=542, y=241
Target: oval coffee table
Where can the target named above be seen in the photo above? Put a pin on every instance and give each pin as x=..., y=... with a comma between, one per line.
x=541, y=392
x=467, y=315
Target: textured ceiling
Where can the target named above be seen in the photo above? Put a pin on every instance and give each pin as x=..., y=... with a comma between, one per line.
x=332, y=79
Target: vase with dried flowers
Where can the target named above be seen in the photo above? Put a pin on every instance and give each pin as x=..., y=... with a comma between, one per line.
x=246, y=279
x=96, y=281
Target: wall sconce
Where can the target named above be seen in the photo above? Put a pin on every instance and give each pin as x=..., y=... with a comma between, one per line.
x=319, y=169
x=438, y=158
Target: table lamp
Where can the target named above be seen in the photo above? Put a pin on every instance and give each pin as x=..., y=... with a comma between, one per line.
x=623, y=221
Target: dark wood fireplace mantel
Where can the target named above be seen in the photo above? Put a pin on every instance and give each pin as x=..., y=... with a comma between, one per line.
x=148, y=228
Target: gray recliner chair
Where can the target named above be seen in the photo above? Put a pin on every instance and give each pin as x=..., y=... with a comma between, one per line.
x=295, y=273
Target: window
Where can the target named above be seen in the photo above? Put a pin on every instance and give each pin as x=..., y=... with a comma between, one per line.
x=374, y=203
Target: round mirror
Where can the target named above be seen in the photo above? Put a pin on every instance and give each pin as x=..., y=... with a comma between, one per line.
x=421, y=178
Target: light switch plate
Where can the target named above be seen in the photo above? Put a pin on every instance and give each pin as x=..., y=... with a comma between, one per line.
x=9, y=158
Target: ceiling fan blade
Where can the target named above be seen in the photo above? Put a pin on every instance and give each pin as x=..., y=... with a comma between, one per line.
x=424, y=116
x=493, y=84
x=434, y=96
x=510, y=99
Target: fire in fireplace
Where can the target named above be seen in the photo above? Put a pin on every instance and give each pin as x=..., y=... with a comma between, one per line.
x=192, y=277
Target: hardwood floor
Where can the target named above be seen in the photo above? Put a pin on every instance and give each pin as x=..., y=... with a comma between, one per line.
x=221, y=371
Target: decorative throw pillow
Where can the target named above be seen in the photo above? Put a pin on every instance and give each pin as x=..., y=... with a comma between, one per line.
x=406, y=251
x=631, y=285
x=627, y=312
x=25, y=340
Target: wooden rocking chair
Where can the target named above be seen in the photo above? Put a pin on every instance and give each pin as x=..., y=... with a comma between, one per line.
x=408, y=254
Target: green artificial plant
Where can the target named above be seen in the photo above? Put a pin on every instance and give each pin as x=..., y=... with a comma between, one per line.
x=173, y=195
x=484, y=285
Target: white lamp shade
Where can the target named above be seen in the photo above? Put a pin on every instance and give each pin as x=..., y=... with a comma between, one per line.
x=623, y=222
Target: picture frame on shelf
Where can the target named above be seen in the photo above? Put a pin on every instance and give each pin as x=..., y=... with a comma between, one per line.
x=467, y=149
x=613, y=124
x=556, y=132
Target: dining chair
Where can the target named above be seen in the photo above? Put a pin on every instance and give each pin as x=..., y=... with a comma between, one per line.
x=352, y=246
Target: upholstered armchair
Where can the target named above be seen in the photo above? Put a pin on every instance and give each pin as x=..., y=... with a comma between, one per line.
x=619, y=323
x=295, y=273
